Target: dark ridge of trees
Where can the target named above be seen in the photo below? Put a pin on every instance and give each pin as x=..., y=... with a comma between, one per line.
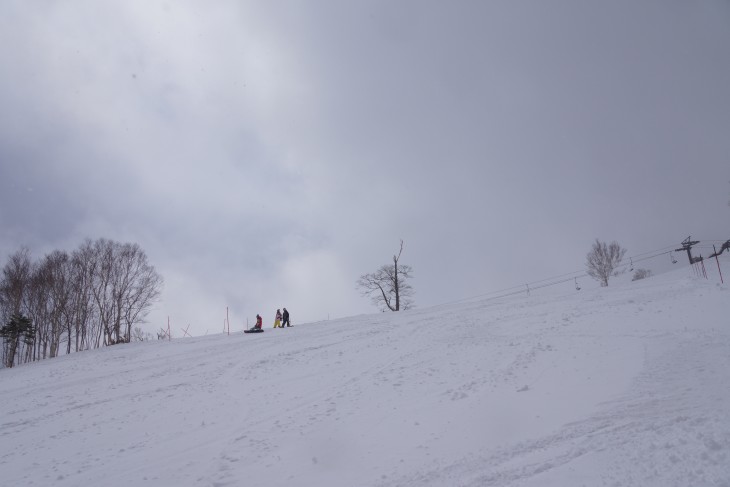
x=93, y=297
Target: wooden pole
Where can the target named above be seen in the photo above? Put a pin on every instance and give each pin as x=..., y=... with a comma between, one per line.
x=718, y=263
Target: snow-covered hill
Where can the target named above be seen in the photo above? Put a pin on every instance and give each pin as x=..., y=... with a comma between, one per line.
x=623, y=386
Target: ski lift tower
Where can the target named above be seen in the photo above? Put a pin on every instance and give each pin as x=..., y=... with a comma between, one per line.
x=687, y=244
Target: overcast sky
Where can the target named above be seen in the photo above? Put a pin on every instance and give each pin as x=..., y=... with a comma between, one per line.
x=266, y=154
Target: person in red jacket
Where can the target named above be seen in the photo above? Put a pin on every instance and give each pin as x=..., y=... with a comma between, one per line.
x=259, y=322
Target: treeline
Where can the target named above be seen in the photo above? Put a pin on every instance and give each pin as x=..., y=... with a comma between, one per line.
x=67, y=302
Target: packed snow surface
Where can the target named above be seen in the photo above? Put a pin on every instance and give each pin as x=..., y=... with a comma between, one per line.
x=621, y=386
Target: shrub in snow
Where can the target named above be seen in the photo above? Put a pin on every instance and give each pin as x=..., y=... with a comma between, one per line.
x=641, y=274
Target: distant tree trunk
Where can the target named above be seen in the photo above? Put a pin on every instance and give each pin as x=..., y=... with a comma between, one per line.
x=56, y=271
x=83, y=301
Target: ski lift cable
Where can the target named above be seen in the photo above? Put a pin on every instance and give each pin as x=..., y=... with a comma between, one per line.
x=669, y=247
x=653, y=256
x=520, y=288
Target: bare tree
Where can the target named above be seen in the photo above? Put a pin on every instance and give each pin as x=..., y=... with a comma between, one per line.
x=124, y=287
x=14, y=283
x=95, y=297
x=603, y=260
x=388, y=287
x=54, y=273
x=81, y=309
x=39, y=310
x=139, y=335
x=139, y=287
x=102, y=260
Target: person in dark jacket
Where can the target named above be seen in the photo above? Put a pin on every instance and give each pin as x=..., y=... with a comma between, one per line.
x=285, y=321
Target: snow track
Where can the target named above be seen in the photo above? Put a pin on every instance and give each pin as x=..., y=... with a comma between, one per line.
x=618, y=387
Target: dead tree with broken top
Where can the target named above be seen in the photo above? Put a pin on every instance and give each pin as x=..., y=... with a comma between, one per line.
x=388, y=287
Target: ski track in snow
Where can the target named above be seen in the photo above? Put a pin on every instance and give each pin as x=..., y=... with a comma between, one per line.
x=620, y=386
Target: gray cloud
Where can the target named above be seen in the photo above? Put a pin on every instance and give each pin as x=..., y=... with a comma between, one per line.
x=266, y=155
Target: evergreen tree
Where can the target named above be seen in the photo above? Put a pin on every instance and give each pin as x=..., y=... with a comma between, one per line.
x=19, y=328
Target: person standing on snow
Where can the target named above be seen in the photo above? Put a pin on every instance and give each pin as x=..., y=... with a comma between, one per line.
x=277, y=321
x=286, y=319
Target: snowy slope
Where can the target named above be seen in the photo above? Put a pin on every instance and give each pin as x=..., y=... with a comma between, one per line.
x=621, y=386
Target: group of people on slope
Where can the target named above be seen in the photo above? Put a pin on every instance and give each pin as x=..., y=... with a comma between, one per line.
x=280, y=321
